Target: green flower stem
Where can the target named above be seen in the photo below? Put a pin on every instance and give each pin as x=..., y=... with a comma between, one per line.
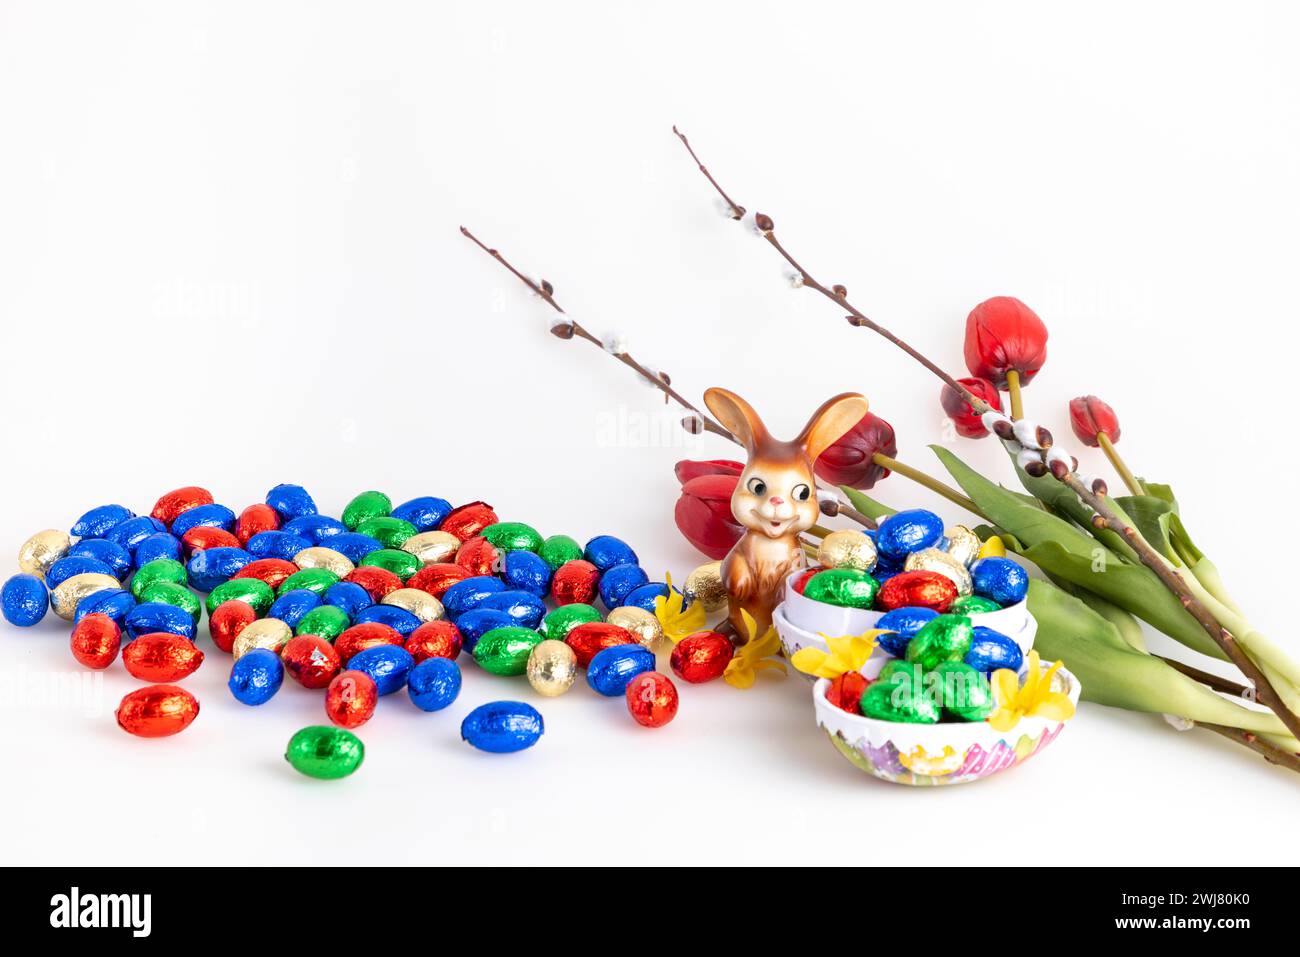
x=933, y=484
x=819, y=531
x=1208, y=575
x=1013, y=390
x=1112, y=453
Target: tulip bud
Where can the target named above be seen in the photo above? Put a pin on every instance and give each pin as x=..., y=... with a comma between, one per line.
x=1090, y=417
x=687, y=469
x=968, y=423
x=1003, y=334
x=849, y=460
x=703, y=513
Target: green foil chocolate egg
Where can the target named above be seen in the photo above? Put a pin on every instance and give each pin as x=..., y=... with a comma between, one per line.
x=846, y=587
x=251, y=590
x=366, y=505
x=973, y=605
x=965, y=692
x=505, y=651
x=944, y=638
x=400, y=563
x=388, y=531
x=316, y=580
x=513, y=537
x=564, y=619
x=158, y=570
x=900, y=698
x=324, y=752
x=324, y=621
x=170, y=593
x=558, y=549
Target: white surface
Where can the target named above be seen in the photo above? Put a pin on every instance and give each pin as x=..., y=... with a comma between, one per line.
x=230, y=257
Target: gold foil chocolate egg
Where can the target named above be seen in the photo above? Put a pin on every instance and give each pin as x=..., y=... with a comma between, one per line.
x=552, y=668
x=640, y=622
x=269, y=633
x=42, y=550
x=963, y=544
x=419, y=603
x=432, y=547
x=705, y=586
x=937, y=560
x=318, y=556
x=68, y=595
x=847, y=549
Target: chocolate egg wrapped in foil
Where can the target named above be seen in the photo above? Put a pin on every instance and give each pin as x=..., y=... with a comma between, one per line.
x=156, y=546
x=647, y=596
x=161, y=657
x=1000, y=579
x=279, y=544
x=133, y=531
x=908, y=531
x=96, y=641
x=322, y=556
x=68, y=595
x=317, y=529
x=256, y=677
x=111, y=554
x=705, y=585
x=350, y=699
x=502, y=727
x=366, y=505
x=348, y=597
x=558, y=623
x=432, y=547
x=923, y=589
x=524, y=607
x=400, y=563
x=513, y=536
x=845, y=587
x=527, y=572
x=612, y=669
x=377, y=582
x=213, y=516
x=292, y=606
x=973, y=605
x=965, y=691
x=257, y=593
x=268, y=633
x=477, y=622
x=290, y=501
x=606, y=551
x=433, y=684
x=161, y=570
x=946, y=638
x=505, y=651
x=552, y=668
x=847, y=549
x=991, y=650
x=271, y=571
x=324, y=752
x=466, y=521
x=963, y=544
x=470, y=593
x=618, y=582
x=392, y=532
x=900, y=697
x=209, y=568
x=170, y=593
x=937, y=560
x=114, y=603
x=575, y=582
x=42, y=550
x=435, y=639
x=398, y=619
x=157, y=711
x=419, y=603
x=387, y=665
x=152, y=616
x=900, y=626
x=256, y=519
x=24, y=600
x=641, y=623
x=326, y=621
x=100, y=520
x=318, y=580
x=172, y=504
x=425, y=513
x=558, y=549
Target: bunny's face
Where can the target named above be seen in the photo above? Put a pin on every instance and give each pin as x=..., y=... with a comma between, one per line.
x=775, y=498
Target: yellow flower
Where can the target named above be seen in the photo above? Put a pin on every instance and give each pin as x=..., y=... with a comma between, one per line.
x=753, y=656
x=676, y=623
x=1034, y=699
x=847, y=653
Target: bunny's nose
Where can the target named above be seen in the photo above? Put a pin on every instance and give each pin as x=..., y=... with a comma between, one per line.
x=776, y=500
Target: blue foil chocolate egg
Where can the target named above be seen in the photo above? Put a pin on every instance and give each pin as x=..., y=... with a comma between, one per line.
x=24, y=600
x=349, y=597
x=212, y=566
x=612, y=669
x=908, y=531
x=502, y=727
x=112, y=554
x=206, y=516
x=901, y=624
x=399, y=619
x=526, y=571
x=1000, y=579
x=991, y=650
x=619, y=581
x=425, y=513
x=606, y=551
x=276, y=544
x=70, y=565
x=116, y=603
x=477, y=622
x=290, y=501
x=644, y=596
x=434, y=683
x=101, y=520
x=151, y=616
x=314, y=528
x=469, y=593
x=156, y=546
x=387, y=665
x=133, y=531
x=524, y=608
x=354, y=545
x=256, y=676
x=292, y=606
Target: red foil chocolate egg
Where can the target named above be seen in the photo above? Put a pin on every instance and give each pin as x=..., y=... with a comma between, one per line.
x=478, y=556
x=379, y=582
x=846, y=690
x=254, y=519
x=180, y=500
x=208, y=536
x=437, y=578
x=310, y=660
x=917, y=589
x=368, y=634
x=161, y=656
x=157, y=711
x=466, y=521
x=575, y=582
x=350, y=699
x=589, y=639
x=226, y=622
x=651, y=699
x=96, y=640
x=701, y=657
x=273, y=571
x=802, y=580
x=434, y=639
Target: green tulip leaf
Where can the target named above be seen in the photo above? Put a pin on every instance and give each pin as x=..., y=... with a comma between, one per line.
x=1062, y=500
x=867, y=505
x=1151, y=517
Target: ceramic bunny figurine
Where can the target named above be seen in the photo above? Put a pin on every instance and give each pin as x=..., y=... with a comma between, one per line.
x=775, y=499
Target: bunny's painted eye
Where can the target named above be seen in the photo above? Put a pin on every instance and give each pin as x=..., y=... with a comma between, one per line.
x=757, y=486
x=801, y=493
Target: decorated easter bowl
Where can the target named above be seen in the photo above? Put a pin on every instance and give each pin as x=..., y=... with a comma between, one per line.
x=934, y=754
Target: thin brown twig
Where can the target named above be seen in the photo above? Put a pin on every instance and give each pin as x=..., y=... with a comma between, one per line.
x=1104, y=516
x=1210, y=680
x=1270, y=753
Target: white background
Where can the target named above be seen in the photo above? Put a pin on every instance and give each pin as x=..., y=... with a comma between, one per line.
x=229, y=253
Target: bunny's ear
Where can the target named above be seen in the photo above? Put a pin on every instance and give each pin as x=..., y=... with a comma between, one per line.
x=737, y=417
x=829, y=423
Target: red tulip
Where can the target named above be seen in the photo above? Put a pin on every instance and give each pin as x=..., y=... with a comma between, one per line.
x=703, y=513
x=849, y=461
x=963, y=416
x=1003, y=334
x=1090, y=417
x=687, y=469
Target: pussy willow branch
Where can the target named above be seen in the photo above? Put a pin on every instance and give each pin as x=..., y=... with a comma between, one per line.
x=1104, y=517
